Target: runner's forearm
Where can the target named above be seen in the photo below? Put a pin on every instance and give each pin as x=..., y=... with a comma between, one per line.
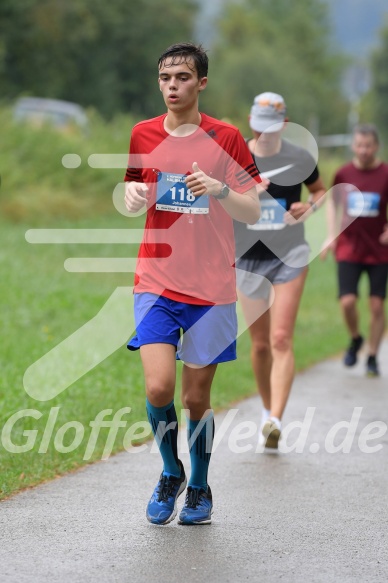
x=242, y=207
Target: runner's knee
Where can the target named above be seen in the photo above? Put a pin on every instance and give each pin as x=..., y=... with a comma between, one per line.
x=281, y=341
x=159, y=394
x=195, y=401
x=348, y=302
x=261, y=348
x=377, y=307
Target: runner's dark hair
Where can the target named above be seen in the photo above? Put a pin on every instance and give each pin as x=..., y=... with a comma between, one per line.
x=367, y=129
x=181, y=52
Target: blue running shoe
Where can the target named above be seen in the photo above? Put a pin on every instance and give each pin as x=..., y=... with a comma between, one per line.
x=198, y=506
x=162, y=508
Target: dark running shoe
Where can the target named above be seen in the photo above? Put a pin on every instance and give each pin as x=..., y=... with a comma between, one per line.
x=350, y=357
x=198, y=506
x=162, y=508
x=372, y=369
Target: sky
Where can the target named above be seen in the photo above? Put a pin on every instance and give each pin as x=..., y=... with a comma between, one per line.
x=356, y=24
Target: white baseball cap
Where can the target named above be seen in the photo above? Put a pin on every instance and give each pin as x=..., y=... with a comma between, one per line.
x=267, y=112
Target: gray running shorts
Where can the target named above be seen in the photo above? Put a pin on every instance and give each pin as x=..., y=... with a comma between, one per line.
x=255, y=277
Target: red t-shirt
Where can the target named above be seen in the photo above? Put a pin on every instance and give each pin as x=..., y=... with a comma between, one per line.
x=359, y=239
x=187, y=253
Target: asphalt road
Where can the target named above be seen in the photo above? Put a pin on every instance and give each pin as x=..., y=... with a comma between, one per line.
x=316, y=511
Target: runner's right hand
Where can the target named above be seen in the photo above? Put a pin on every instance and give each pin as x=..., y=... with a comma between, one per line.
x=135, y=196
x=263, y=186
x=327, y=246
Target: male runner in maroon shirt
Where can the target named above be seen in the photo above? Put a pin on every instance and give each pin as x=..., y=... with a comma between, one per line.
x=361, y=199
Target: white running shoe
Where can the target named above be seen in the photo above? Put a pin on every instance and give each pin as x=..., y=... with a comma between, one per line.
x=270, y=434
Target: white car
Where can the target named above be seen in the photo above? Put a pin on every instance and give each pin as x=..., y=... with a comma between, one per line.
x=61, y=114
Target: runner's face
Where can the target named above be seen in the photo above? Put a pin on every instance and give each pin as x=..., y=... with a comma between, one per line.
x=365, y=149
x=180, y=85
x=267, y=142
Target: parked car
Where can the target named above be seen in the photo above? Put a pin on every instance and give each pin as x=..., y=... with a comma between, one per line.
x=61, y=114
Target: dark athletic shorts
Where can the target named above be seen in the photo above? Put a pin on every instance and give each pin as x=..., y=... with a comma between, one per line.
x=349, y=275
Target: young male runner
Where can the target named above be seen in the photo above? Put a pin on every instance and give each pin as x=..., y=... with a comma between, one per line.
x=195, y=174
x=361, y=191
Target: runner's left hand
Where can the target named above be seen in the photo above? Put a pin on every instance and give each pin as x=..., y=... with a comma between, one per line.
x=299, y=211
x=384, y=235
x=200, y=183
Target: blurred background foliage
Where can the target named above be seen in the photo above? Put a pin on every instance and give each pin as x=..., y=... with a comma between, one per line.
x=92, y=52
x=378, y=95
x=103, y=54
x=283, y=47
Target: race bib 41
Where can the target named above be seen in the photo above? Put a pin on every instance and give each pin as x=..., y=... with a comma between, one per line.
x=272, y=215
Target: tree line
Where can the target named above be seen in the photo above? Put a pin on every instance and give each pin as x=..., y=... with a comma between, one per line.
x=93, y=52
x=104, y=54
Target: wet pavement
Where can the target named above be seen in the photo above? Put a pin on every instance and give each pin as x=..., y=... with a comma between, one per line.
x=315, y=511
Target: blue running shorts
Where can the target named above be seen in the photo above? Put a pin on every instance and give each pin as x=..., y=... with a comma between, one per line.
x=202, y=334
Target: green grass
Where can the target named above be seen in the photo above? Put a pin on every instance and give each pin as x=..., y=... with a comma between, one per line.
x=42, y=304
x=34, y=183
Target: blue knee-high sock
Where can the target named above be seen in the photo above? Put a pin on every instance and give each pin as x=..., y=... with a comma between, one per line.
x=200, y=435
x=161, y=418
